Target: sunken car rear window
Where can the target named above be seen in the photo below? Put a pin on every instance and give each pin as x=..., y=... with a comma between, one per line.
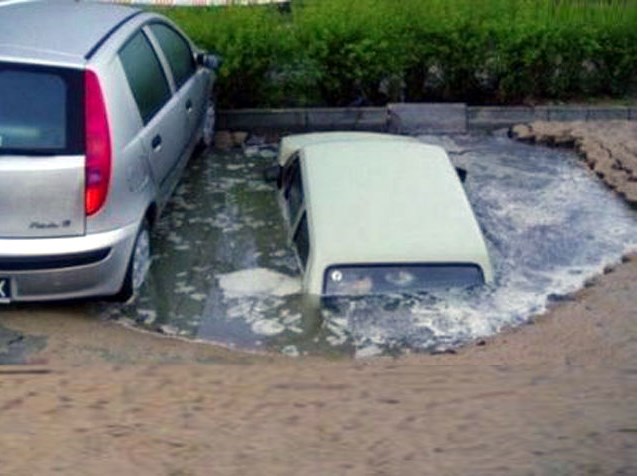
x=41, y=110
x=388, y=278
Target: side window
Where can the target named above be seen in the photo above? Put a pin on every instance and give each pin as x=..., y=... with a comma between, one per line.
x=293, y=191
x=301, y=241
x=145, y=76
x=287, y=172
x=177, y=51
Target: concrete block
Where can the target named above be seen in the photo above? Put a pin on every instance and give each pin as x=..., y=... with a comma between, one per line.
x=607, y=113
x=358, y=119
x=428, y=118
x=540, y=113
x=567, y=113
x=495, y=117
x=223, y=140
x=262, y=119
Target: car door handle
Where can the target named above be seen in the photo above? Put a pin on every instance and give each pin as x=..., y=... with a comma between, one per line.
x=189, y=105
x=156, y=143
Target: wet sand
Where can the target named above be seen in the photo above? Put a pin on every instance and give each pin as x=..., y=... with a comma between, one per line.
x=609, y=149
x=554, y=397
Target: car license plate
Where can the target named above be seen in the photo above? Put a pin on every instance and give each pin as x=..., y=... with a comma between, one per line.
x=5, y=290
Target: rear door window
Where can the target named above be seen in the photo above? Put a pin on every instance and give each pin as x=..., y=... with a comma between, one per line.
x=177, y=52
x=41, y=110
x=145, y=76
x=301, y=241
x=293, y=190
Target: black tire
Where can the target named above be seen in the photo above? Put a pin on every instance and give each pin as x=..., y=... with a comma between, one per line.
x=208, y=130
x=131, y=282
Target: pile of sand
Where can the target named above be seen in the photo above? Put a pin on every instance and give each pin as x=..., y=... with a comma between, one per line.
x=609, y=148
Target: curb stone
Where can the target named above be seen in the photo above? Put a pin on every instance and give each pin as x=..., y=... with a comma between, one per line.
x=439, y=118
x=428, y=118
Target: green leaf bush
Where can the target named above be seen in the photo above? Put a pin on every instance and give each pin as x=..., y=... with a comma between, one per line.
x=369, y=52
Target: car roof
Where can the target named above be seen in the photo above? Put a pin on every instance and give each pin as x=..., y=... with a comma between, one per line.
x=387, y=201
x=291, y=144
x=57, y=31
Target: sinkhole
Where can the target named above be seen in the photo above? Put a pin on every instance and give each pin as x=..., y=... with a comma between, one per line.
x=222, y=271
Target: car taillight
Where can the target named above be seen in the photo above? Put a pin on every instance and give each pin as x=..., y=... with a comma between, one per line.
x=98, y=146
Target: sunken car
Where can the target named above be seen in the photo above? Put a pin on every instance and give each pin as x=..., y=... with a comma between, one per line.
x=101, y=107
x=376, y=213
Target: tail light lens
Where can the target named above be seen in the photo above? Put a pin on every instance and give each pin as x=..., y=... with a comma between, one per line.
x=98, y=145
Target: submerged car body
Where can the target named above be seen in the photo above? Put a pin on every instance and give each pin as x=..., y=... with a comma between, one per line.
x=101, y=107
x=373, y=213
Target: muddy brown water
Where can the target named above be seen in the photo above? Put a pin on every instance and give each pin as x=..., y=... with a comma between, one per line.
x=223, y=271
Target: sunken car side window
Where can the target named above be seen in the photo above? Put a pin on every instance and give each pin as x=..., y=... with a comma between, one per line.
x=145, y=76
x=286, y=172
x=294, y=191
x=301, y=241
x=177, y=51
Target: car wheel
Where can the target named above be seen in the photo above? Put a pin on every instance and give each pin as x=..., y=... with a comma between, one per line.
x=208, y=131
x=139, y=264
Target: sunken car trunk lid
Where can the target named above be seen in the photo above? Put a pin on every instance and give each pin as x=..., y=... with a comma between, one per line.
x=42, y=165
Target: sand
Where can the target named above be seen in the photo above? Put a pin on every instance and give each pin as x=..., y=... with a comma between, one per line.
x=557, y=397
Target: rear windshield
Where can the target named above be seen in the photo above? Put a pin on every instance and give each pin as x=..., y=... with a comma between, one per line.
x=380, y=279
x=40, y=110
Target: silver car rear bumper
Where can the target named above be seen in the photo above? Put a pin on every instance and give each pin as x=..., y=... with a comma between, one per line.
x=67, y=268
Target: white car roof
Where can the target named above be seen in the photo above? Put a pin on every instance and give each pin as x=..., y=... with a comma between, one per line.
x=291, y=144
x=386, y=201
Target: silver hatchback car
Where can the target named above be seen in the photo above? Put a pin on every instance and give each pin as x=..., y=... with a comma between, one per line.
x=101, y=107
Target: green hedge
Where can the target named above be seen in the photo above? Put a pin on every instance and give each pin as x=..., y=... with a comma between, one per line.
x=341, y=52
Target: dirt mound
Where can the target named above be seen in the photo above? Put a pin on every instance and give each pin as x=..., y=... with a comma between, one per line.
x=609, y=148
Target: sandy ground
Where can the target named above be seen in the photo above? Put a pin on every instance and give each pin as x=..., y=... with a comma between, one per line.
x=557, y=397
